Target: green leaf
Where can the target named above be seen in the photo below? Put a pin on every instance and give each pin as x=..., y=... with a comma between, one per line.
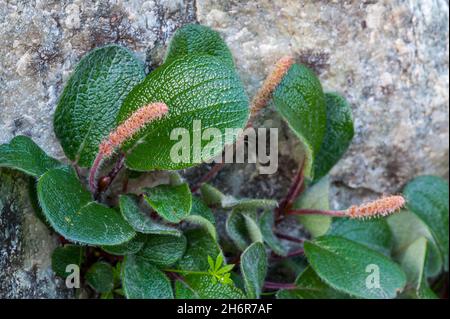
x=72, y=213
x=129, y=206
x=300, y=100
x=413, y=262
x=373, y=233
x=353, y=268
x=248, y=203
x=100, y=277
x=406, y=228
x=202, y=216
x=310, y=286
x=338, y=134
x=142, y=280
x=211, y=195
x=315, y=197
x=219, y=261
x=130, y=247
x=194, y=87
x=24, y=155
x=266, y=224
x=88, y=106
x=198, y=39
x=173, y=203
x=242, y=228
x=200, y=244
x=67, y=255
x=427, y=197
x=163, y=250
x=254, y=269
x=201, y=287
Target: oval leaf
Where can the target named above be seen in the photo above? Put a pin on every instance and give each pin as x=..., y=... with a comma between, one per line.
x=198, y=39
x=72, y=213
x=427, y=197
x=266, y=224
x=142, y=280
x=353, y=268
x=338, y=134
x=140, y=222
x=173, y=203
x=130, y=247
x=163, y=250
x=300, y=100
x=24, y=155
x=100, y=277
x=202, y=216
x=198, y=88
x=254, y=269
x=65, y=256
x=88, y=106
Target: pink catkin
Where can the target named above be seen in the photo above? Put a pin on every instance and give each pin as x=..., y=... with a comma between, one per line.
x=265, y=92
x=131, y=126
x=380, y=207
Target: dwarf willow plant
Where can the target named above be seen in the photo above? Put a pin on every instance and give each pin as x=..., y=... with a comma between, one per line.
x=162, y=241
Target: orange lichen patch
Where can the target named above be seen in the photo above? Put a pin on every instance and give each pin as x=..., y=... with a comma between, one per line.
x=265, y=92
x=131, y=126
x=380, y=207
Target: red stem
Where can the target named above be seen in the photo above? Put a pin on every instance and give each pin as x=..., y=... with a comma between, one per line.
x=93, y=172
x=208, y=176
x=290, y=238
x=294, y=190
x=334, y=213
x=278, y=285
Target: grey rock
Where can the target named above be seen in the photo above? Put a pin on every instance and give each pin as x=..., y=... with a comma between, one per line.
x=388, y=58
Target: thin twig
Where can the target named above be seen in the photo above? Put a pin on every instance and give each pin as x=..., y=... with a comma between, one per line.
x=289, y=238
x=293, y=192
x=279, y=285
x=334, y=213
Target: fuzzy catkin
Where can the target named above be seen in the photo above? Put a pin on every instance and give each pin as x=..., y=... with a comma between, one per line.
x=380, y=207
x=271, y=82
x=131, y=126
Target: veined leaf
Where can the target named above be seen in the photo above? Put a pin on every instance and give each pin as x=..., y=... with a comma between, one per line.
x=24, y=155
x=100, y=277
x=254, y=269
x=139, y=221
x=353, y=268
x=202, y=287
x=300, y=100
x=65, y=256
x=427, y=197
x=72, y=213
x=338, y=134
x=373, y=233
x=200, y=245
x=173, y=203
x=194, y=87
x=198, y=39
x=88, y=106
x=163, y=250
x=142, y=280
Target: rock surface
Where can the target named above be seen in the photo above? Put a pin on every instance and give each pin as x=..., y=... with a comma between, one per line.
x=389, y=58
